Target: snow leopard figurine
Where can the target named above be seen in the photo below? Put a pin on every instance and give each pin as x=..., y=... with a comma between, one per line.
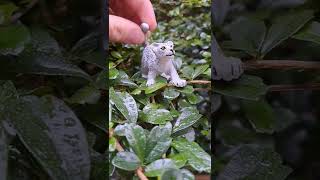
x=157, y=59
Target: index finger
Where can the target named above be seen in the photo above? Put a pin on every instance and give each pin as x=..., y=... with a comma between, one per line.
x=138, y=11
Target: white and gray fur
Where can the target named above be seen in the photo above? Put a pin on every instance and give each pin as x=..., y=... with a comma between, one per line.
x=157, y=59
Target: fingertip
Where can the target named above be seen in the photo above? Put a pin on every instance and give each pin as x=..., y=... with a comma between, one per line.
x=124, y=31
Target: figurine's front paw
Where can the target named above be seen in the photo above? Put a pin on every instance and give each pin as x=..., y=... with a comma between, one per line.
x=165, y=76
x=150, y=82
x=179, y=82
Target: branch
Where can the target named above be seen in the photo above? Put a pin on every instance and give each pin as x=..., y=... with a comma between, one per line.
x=281, y=64
x=294, y=87
x=119, y=148
x=199, y=82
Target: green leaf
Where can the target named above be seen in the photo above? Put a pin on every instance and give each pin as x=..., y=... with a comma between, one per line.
x=42, y=56
x=260, y=115
x=200, y=69
x=170, y=93
x=116, y=54
x=126, y=160
x=32, y=132
x=197, y=157
x=125, y=104
x=179, y=159
x=88, y=94
x=284, y=27
x=310, y=33
x=124, y=80
x=187, y=175
x=137, y=140
x=247, y=35
x=113, y=73
x=112, y=144
x=155, y=87
x=13, y=39
x=158, y=167
x=188, y=117
x=186, y=90
x=187, y=72
x=158, y=142
x=153, y=115
x=66, y=133
x=194, y=98
x=247, y=87
x=171, y=174
x=253, y=162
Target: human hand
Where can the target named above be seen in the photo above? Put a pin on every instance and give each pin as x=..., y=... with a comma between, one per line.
x=127, y=15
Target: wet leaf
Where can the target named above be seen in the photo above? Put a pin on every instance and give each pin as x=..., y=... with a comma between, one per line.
x=126, y=161
x=158, y=142
x=170, y=93
x=187, y=175
x=66, y=132
x=153, y=115
x=188, y=117
x=137, y=140
x=42, y=56
x=197, y=157
x=171, y=174
x=124, y=80
x=179, y=159
x=37, y=141
x=199, y=70
x=155, y=87
x=158, y=167
x=125, y=103
x=254, y=162
x=186, y=90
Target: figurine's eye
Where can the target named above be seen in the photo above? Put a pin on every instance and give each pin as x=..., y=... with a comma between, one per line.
x=163, y=48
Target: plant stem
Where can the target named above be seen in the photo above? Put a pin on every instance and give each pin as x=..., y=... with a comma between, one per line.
x=281, y=65
x=294, y=87
x=119, y=148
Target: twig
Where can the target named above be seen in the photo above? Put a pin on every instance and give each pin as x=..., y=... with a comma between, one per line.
x=119, y=148
x=281, y=64
x=199, y=82
x=18, y=15
x=294, y=87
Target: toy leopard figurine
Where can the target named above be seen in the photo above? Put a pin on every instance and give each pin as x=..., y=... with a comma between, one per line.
x=157, y=59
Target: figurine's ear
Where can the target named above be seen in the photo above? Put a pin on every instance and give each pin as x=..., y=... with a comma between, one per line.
x=170, y=43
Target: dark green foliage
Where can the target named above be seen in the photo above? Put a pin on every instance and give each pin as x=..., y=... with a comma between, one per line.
x=52, y=91
x=260, y=132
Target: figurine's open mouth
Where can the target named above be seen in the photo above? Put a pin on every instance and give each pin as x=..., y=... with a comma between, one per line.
x=170, y=54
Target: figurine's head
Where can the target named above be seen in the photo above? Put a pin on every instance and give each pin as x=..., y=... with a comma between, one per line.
x=163, y=49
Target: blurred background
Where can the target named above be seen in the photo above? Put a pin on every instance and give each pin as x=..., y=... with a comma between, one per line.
x=266, y=124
